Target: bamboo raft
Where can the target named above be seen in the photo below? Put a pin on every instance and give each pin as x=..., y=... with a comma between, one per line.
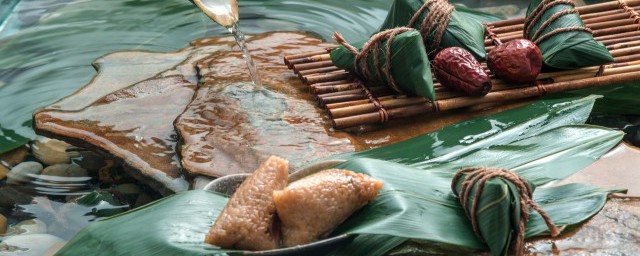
x=350, y=103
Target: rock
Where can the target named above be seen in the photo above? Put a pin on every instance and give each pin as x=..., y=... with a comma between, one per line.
x=52, y=151
x=143, y=199
x=28, y=227
x=3, y=225
x=90, y=161
x=24, y=173
x=10, y=196
x=65, y=170
x=12, y=158
x=30, y=245
x=129, y=191
x=132, y=122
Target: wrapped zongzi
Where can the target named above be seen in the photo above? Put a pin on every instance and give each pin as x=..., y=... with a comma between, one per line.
x=441, y=24
x=564, y=40
x=403, y=65
x=497, y=202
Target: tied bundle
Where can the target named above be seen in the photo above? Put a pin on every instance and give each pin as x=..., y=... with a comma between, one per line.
x=563, y=38
x=395, y=57
x=441, y=24
x=497, y=202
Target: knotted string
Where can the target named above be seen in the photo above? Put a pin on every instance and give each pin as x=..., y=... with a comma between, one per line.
x=436, y=22
x=492, y=35
x=632, y=13
x=479, y=176
x=537, y=13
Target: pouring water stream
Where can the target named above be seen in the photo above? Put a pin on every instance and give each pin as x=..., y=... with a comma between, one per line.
x=225, y=13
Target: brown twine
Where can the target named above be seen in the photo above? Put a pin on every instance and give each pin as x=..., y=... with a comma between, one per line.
x=541, y=90
x=494, y=38
x=537, y=13
x=479, y=176
x=361, y=57
x=632, y=13
x=384, y=115
x=600, y=71
x=436, y=22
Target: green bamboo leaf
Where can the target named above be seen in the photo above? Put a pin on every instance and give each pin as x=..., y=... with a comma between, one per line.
x=410, y=66
x=464, y=30
x=568, y=50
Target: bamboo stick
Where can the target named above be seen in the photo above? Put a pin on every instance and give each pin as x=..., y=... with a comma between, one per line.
x=331, y=83
x=339, y=75
x=360, y=102
x=368, y=108
x=288, y=58
x=313, y=65
x=333, y=88
x=314, y=58
x=317, y=71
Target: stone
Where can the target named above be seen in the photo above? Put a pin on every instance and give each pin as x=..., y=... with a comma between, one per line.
x=24, y=172
x=28, y=227
x=132, y=122
x=30, y=245
x=12, y=158
x=3, y=225
x=65, y=170
x=52, y=151
x=10, y=196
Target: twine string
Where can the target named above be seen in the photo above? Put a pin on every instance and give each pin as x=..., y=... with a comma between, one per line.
x=435, y=23
x=632, y=13
x=536, y=15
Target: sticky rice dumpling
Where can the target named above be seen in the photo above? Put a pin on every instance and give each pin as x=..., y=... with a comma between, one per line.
x=310, y=208
x=461, y=28
x=407, y=69
x=497, y=202
x=245, y=222
x=564, y=40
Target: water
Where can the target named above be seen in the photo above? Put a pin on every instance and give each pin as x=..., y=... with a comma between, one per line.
x=225, y=13
x=246, y=55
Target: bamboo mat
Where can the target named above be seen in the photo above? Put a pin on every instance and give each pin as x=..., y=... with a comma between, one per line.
x=349, y=102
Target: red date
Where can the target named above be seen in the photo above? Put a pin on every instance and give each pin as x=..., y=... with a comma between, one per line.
x=517, y=61
x=457, y=68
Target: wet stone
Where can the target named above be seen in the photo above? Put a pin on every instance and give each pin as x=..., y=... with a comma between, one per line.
x=51, y=151
x=131, y=116
x=28, y=227
x=65, y=170
x=24, y=173
x=3, y=224
x=12, y=158
x=10, y=196
x=30, y=245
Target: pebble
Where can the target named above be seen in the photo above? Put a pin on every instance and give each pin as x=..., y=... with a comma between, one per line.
x=30, y=245
x=65, y=170
x=28, y=227
x=10, y=196
x=3, y=224
x=24, y=172
x=12, y=158
x=52, y=151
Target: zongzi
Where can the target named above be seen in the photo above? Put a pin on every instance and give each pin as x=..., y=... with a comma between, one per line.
x=497, y=202
x=564, y=40
x=441, y=24
x=396, y=58
x=312, y=207
x=518, y=61
x=457, y=69
x=245, y=222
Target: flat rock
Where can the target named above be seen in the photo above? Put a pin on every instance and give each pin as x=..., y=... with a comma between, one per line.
x=127, y=111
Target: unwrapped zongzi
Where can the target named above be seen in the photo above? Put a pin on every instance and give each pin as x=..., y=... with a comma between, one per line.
x=404, y=66
x=312, y=207
x=564, y=40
